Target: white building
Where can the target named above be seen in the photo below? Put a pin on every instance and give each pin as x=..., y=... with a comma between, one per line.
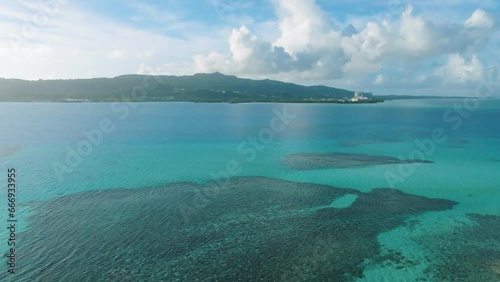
x=358, y=97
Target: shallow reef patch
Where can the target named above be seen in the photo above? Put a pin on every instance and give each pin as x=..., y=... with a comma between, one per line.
x=470, y=252
x=333, y=160
x=248, y=229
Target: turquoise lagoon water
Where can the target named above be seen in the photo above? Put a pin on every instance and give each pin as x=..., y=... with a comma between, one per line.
x=164, y=144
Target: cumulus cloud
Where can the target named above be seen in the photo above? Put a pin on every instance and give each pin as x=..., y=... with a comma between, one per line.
x=307, y=44
x=479, y=19
x=146, y=54
x=310, y=45
x=118, y=54
x=248, y=54
x=211, y=62
x=303, y=25
x=460, y=69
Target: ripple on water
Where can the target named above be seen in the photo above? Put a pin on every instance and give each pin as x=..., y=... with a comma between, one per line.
x=250, y=228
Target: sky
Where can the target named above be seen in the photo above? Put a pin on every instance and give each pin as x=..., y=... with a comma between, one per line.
x=404, y=47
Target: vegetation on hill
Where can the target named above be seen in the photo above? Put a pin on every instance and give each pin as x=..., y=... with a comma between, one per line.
x=214, y=87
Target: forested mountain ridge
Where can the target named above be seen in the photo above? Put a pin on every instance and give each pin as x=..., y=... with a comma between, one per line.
x=214, y=87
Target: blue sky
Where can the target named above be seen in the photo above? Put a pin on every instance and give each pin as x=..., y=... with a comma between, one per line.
x=389, y=46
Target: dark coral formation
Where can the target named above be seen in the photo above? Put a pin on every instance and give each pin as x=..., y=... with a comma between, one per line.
x=314, y=161
x=247, y=229
x=457, y=143
x=470, y=252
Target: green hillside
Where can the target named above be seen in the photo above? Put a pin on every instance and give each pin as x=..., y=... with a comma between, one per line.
x=214, y=87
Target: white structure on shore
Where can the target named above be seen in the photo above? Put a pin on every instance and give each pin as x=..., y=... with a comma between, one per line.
x=76, y=100
x=358, y=97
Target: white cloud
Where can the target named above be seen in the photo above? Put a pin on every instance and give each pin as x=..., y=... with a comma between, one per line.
x=77, y=43
x=248, y=54
x=241, y=44
x=146, y=54
x=379, y=80
x=152, y=13
x=118, y=54
x=305, y=48
x=459, y=69
x=12, y=14
x=479, y=19
x=310, y=46
x=211, y=62
x=302, y=24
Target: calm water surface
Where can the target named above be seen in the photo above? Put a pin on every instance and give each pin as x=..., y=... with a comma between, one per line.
x=134, y=148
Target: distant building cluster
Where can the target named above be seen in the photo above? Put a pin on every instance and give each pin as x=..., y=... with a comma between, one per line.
x=358, y=97
x=77, y=100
